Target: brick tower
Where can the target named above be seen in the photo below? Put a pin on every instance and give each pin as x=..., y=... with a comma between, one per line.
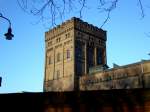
x=73, y=49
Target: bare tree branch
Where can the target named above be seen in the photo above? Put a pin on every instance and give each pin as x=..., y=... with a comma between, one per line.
x=70, y=5
x=40, y=11
x=83, y=5
x=108, y=9
x=141, y=7
x=106, y=20
x=57, y=9
x=23, y=6
x=102, y=2
x=147, y=34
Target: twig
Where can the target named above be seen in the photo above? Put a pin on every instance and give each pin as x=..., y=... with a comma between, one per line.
x=81, y=9
x=108, y=10
x=142, y=10
x=106, y=20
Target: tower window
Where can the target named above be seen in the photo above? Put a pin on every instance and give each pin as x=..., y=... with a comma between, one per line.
x=90, y=56
x=58, y=39
x=50, y=60
x=58, y=73
x=67, y=35
x=80, y=58
x=58, y=57
x=80, y=50
x=50, y=43
x=68, y=53
x=99, y=56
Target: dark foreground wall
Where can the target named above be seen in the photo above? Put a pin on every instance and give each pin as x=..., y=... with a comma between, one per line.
x=137, y=100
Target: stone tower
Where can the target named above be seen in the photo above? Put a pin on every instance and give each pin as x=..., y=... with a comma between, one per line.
x=72, y=50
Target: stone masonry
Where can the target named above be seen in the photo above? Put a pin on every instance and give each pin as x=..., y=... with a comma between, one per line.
x=72, y=48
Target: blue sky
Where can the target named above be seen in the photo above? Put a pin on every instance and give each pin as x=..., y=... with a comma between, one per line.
x=22, y=59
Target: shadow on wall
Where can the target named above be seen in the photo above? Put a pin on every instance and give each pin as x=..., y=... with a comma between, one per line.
x=135, y=100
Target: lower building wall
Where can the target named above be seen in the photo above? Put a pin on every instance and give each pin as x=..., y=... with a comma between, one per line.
x=104, y=101
x=88, y=108
x=135, y=100
x=125, y=77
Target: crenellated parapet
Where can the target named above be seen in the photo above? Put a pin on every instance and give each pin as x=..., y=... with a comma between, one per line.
x=89, y=29
x=77, y=24
x=59, y=30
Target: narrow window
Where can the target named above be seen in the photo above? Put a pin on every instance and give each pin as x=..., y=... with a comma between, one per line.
x=68, y=53
x=58, y=57
x=99, y=56
x=67, y=35
x=58, y=74
x=50, y=60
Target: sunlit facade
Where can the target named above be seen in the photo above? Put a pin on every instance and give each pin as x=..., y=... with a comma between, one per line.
x=75, y=59
x=72, y=48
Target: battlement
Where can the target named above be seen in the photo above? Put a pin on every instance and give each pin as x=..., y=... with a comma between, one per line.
x=87, y=25
x=76, y=23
